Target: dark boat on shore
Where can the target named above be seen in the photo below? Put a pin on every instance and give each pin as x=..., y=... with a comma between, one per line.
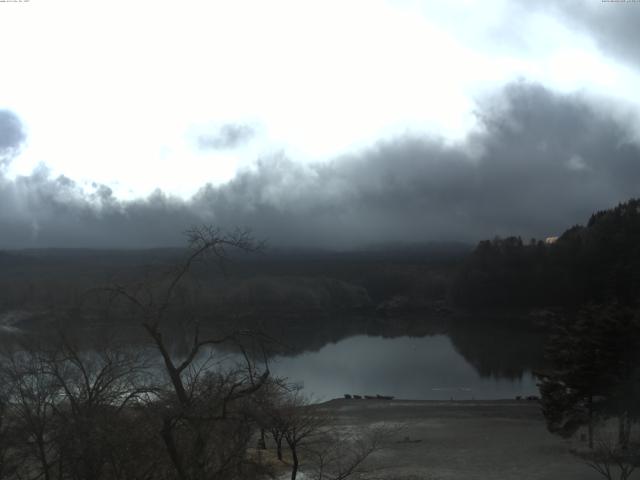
x=368, y=397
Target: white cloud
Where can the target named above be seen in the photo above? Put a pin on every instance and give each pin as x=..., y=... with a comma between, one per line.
x=577, y=163
x=112, y=91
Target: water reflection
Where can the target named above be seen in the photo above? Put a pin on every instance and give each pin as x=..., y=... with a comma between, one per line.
x=406, y=358
x=405, y=367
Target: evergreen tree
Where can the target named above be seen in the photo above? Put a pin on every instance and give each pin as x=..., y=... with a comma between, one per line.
x=593, y=371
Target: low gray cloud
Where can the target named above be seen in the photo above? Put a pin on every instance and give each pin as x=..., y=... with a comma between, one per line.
x=11, y=135
x=538, y=163
x=228, y=136
x=525, y=182
x=613, y=24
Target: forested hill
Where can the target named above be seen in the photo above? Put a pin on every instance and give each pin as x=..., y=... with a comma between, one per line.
x=587, y=264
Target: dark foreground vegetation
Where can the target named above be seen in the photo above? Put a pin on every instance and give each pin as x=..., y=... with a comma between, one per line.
x=110, y=412
x=94, y=407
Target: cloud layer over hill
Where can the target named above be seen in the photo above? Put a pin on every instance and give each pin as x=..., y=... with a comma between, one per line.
x=538, y=162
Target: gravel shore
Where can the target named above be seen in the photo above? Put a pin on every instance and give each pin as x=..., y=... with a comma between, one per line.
x=466, y=440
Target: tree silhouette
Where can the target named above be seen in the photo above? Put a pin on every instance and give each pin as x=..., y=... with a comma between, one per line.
x=594, y=371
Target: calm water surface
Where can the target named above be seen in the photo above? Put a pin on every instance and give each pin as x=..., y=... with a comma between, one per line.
x=405, y=367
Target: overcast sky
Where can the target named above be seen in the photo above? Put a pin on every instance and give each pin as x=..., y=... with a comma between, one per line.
x=324, y=123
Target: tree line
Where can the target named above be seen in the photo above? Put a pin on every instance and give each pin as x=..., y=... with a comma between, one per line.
x=596, y=263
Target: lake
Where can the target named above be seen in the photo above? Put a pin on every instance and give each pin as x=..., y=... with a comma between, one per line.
x=465, y=363
x=405, y=367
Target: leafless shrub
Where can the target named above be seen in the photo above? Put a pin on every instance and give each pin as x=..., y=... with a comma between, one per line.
x=608, y=457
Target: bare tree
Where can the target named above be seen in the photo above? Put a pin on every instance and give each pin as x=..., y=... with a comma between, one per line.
x=340, y=455
x=314, y=438
x=9, y=458
x=272, y=417
x=95, y=386
x=609, y=457
x=293, y=418
x=29, y=399
x=200, y=406
x=65, y=405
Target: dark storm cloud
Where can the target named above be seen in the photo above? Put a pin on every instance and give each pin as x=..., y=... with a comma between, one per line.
x=11, y=135
x=39, y=210
x=538, y=163
x=547, y=162
x=228, y=136
x=613, y=24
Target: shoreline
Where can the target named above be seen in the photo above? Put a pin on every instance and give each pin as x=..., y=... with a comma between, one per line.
x=431, y=401
x=470, y=439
